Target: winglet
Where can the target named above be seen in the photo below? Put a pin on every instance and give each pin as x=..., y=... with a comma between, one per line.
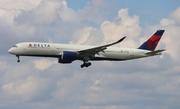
x=120, y=40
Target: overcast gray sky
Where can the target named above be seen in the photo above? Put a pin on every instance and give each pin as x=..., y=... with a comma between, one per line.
x=35, y=83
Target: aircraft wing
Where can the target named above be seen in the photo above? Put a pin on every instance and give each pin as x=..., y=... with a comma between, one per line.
x=87, y=53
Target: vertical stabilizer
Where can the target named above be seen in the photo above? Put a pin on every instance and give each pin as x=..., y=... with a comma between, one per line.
x=153, y=41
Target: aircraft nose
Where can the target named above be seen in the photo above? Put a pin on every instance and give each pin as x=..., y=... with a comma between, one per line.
x=10, y=50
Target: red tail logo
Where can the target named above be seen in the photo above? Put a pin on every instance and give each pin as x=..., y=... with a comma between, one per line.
x=152, y=42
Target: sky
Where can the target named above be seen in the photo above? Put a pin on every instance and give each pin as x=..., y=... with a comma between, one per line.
x=37, y=82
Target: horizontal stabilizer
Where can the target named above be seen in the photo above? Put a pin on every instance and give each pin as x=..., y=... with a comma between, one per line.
x=155, y=52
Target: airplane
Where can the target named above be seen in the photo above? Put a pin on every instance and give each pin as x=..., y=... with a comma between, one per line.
x=67, y=53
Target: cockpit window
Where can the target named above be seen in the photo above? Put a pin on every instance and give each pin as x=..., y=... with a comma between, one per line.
x=15, y=46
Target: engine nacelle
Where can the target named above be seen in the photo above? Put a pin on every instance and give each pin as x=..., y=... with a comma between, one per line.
x=67, y=57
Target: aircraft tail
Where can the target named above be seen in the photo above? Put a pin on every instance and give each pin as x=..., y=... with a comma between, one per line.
x=152, y=42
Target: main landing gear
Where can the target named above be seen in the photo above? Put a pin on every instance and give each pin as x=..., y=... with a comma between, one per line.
x=86, y=64
x=18, y=60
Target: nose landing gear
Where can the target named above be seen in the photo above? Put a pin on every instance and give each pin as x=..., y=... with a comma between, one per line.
x=18, y=60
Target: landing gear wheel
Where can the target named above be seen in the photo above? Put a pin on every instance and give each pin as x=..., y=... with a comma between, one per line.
x=86, y=65
x=18, y=60
x=82, y=65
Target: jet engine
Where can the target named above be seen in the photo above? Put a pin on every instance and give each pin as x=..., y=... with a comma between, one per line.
x=67, y=57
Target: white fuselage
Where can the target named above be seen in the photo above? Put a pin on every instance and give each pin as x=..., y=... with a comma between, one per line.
x=67, y=53
x=55, y=50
